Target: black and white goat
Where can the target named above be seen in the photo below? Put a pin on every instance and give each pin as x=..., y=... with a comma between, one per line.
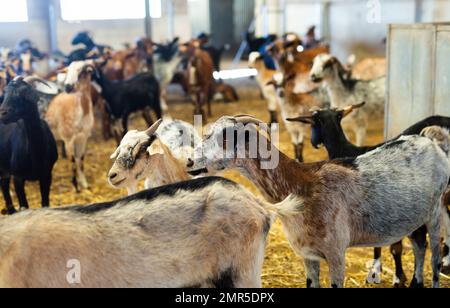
x=202, y=233
x=345, y=91
x=327, y=130
x=372, y=200
x=27, y=147
x=166, y=59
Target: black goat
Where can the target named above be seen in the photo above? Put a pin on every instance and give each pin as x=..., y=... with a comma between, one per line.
x=91, y=50
x=139, y=93
x=214, y=52
x=27, y=147
x=327, y=130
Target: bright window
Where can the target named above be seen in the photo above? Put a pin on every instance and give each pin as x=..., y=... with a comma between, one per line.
x=75, y=10
x=13, y=11
x=155, y=8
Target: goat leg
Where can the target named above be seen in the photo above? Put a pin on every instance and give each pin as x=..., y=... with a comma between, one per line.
x=273, y=117
x=125, y=124
x=446, y=260
x=5, y=181
x=45, y=183
x=419, y=242
x=446, y=227
x=376, y=270
x=208, y=101
x=299, y=152
x=19, y=185
x=434, y=230
x=400, y=276
x=74, y=176
x=147, y=117
x=336, y=262
x=312, y=274
x=63, y=150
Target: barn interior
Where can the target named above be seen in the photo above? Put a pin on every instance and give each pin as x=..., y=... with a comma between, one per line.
x=406, y=42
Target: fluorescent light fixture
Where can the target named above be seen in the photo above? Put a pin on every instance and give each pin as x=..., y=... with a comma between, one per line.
x=235, y=74
x=13, y=11
x=77, y=10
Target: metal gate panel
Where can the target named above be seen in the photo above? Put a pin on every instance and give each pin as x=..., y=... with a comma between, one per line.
x=419, y=75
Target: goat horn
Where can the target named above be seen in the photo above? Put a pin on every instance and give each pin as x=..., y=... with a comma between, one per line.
x=349, y=109
x=32, y=80
x=152, y=130
x=18, y=78
x=247, y=119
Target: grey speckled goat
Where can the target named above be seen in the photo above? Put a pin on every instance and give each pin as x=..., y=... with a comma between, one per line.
x=371, y=201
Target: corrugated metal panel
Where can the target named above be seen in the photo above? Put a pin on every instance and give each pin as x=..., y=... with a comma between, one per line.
x=442, y=97
x=244, y=12
x=419, y=72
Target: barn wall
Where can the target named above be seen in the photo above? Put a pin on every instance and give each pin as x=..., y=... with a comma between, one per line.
x=35, y=28
x=109, y=32
x=349, y=29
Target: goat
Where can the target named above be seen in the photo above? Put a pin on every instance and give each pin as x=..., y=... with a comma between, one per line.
x=158, y=155
x=292, y=58
x=166, y=59
x=254, y=44
x=202, y=233
x=226, y=92
x=71, y=118
x=372, y=200
x=199, y=73
x=369, y=68
x=214, y=52
x=264, y=77
x=327, y=130
x=437, y=133
x=91, y=50
x=27, y=147
x=129, y=62
x=291, y=104
x=344, y=91
x=140, y=93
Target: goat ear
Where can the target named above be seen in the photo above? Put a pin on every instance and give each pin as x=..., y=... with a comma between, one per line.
x=272, y=83
x=303, y=119
x=155, y=149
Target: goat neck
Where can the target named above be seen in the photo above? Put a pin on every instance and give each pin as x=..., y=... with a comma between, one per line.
x=170, y=170
x=278, y=183
x=336, y=87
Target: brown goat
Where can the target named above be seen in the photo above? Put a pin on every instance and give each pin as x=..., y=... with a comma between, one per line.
x=199, y=73
x=71, y=119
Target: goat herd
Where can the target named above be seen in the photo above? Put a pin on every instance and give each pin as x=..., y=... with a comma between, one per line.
x=190, y=228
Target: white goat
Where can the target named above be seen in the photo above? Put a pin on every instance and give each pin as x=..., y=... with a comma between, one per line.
x=205, y=233
x=159, y=156
x=264, y=77
x=344, y=91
